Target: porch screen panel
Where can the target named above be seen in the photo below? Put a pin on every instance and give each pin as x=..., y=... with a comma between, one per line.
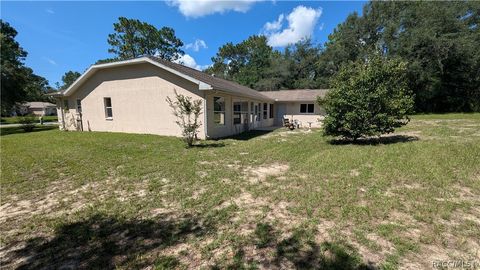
x=240, y=112
x=219, y=110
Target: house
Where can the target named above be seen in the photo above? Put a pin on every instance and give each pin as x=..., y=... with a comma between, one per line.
x=37, y=108
x=130, y=96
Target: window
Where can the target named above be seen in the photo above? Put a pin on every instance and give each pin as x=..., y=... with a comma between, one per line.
x=108, y=107
x=306, y=108
x=65, y=104
x=265, y=110
x=240, y=112
x=79, y=105
x=259, y=112
x=219, y=110
x=271, y=110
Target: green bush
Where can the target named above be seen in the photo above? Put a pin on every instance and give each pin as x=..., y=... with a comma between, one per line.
x=369, y=98
x=27, y=122
x=187, y=112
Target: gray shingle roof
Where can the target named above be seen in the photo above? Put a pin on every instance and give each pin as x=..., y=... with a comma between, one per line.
x=296, y=94
x=215, y=82
x=229, y=86
x=38, y=104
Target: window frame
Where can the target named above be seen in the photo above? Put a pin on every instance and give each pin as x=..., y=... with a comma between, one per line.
x=240, y=112
x=221, y=112
x=265, y=111
x=107, y=117
x=271, y=111
x=307, y=107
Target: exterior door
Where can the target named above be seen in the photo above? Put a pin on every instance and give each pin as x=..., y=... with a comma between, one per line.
x=281, y=111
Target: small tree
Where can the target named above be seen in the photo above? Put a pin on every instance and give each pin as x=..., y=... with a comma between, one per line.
x=187, y=112
x=369, y=98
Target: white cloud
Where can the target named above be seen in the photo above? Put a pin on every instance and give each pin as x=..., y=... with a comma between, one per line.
x=49, y=10
x=199, y=8
x=197, y=45
x=189, y=61
x=301, y=24
x=276, y=25
x=51, y=61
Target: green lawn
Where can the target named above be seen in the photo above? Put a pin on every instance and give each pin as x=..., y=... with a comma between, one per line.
x=261, y=200
x=14, y=119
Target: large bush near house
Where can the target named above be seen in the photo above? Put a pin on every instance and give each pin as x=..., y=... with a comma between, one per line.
x=368, y=98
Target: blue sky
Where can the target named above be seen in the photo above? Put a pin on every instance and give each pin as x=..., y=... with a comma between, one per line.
x=62, y=36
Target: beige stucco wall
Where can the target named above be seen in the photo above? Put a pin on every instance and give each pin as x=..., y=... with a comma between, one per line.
x=293, y=113
x=228, y=129
x=138, y=93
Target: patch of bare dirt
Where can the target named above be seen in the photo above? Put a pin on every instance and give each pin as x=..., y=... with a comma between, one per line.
x=354, y=173
x=59, y=198
x=286, y=133
x=201, y=174
x=323, y=230
x=261, y=173
x=199, y=192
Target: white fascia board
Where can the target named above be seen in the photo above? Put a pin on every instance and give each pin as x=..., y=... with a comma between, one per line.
x=90, y=70
x=204, y=86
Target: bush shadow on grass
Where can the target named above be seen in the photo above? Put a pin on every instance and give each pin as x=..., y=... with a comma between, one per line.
x=248, y=135
x=297, y=251
x=390, y=139
x=102, y=242
x=208, y=144
x=17, y=130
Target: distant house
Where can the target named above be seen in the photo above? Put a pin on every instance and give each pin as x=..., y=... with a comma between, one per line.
x=130, y=96
x=37, y=108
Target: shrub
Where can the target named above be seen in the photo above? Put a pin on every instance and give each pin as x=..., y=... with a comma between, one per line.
x=369, y=98
x=27, y=122
x=187, y=112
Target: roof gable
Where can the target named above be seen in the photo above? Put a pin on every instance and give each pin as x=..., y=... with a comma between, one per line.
x=203, y=80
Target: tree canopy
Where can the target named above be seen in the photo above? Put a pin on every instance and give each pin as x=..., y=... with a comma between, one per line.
x=438, y=41
x=255, y=64
x=133, y=38
x=68, y=79
x=18, y=82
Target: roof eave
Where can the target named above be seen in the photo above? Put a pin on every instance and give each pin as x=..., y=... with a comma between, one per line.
x=91, y=69
x=56, y=94
x=263, y=97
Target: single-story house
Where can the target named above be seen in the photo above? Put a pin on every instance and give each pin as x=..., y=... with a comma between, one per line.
x=37, y=108
x=130, y=96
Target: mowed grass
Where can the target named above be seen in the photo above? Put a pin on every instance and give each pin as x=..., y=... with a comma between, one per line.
x=274, y=200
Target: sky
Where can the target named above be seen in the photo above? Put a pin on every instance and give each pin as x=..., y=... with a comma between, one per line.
x=60, y=36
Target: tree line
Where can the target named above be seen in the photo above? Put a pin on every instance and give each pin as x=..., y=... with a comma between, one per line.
x=19, y=83
x=438, y=41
